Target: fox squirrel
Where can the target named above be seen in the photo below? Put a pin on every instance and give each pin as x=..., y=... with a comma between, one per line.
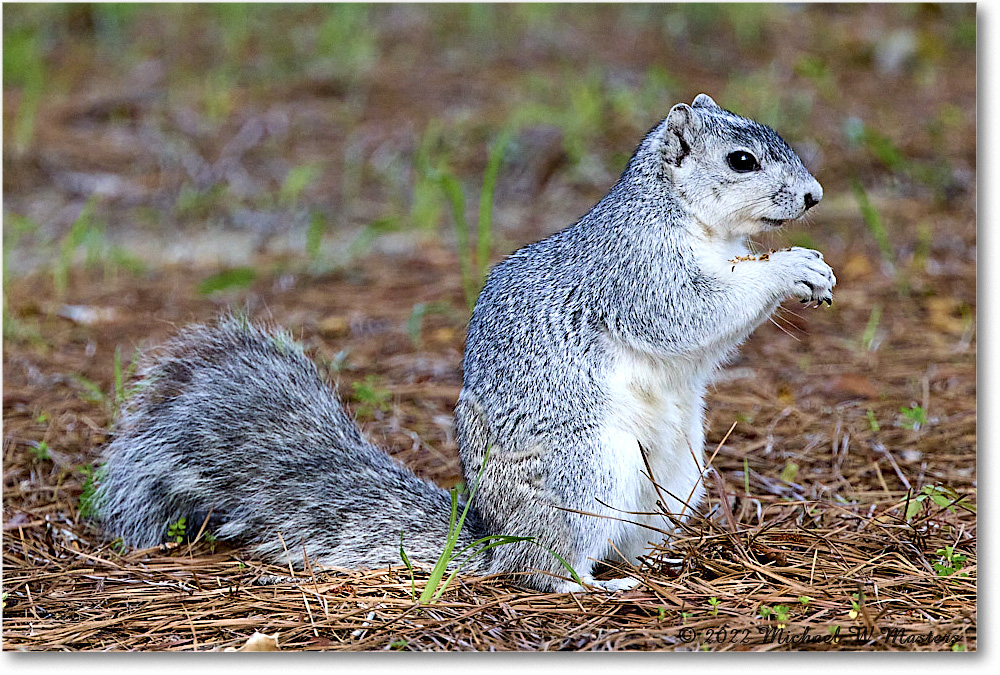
x=585, y=369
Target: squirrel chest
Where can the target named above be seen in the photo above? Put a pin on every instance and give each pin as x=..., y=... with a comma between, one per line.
x=656, y=400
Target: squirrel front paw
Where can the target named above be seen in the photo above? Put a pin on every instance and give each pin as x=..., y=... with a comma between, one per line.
x=810, y=279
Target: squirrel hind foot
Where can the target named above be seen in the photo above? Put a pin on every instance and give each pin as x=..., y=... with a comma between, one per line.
x=591, y=585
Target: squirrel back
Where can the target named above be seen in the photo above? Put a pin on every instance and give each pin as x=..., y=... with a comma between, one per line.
x=233, y=424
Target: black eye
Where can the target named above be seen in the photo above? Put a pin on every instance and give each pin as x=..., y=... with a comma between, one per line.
x=742, y=161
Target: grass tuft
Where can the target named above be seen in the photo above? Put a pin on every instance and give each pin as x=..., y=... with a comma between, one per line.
x=436, y=584
x=474, y=246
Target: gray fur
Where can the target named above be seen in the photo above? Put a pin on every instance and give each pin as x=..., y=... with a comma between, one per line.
x=634, y=279
x=587, y=359
x=234, y=421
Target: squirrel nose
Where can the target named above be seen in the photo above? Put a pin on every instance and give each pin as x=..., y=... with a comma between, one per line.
x=812, y=201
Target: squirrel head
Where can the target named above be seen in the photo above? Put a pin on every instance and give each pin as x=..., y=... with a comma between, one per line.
x=735, y=176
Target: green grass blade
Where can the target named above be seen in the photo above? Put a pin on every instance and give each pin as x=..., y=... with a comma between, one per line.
x=562, y=561
x=500, y=538
x=93, y=393
x=409, y=566
x=70, y=243
x=314, y=236
x=441, y=566
x=456, y=198
x=484, y=230
x=492, y=542
x=868, y=339
x=297, y=180
x=119, y=376
x=454, y=529
x=414, y=323
x=437, y=584
x=234, y=278
x=873, y=220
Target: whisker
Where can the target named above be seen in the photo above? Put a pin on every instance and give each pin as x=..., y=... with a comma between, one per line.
x=783, y=330
x=790, y=324
x=792, y=312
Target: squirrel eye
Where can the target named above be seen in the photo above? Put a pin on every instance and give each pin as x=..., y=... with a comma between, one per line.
x=742, y=161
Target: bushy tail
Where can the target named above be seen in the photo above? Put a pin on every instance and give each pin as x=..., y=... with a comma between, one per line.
x=234, y=424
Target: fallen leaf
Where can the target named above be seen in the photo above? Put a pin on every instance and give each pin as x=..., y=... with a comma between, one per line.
x=785, y=395
x=856, y=267
x=334, y=325
x=443, y=335
x=258, y=642
x=943, y=314
x=852, y=385
x=86, y=315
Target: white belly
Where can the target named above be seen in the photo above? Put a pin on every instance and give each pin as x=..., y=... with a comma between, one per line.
x=658, y=405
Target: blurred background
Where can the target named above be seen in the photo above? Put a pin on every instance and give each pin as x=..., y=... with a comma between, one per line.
x=213, y=134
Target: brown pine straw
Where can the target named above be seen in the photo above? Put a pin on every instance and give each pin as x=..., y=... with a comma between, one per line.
x=67, y=592
x=834, y=534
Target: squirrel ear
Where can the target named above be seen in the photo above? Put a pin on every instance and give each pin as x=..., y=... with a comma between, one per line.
x=680, y=132
x=704, y=101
